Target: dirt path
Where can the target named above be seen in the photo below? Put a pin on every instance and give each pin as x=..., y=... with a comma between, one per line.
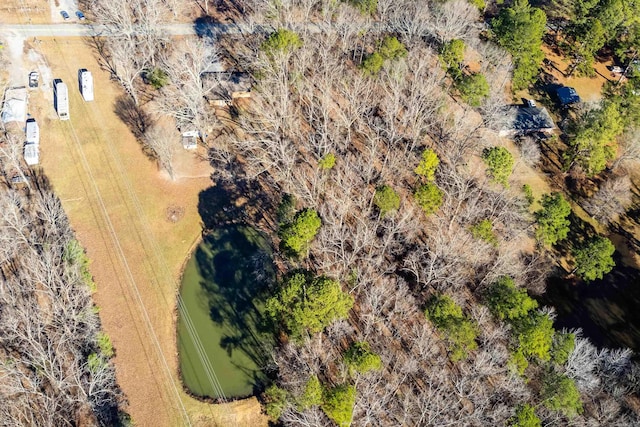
x=117, y=202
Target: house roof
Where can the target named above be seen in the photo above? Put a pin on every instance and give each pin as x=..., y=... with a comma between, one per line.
x=220, y=85
x=533, y=119
x=527, y=120
x=567, y=95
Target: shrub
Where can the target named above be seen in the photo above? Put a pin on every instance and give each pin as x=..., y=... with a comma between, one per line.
x=338, y=404
x=528, y=194
x=484, y=231
x=281, y=40
x=499, y=163
x=312, y=395
x=297, y=234
x=525, y=417
x=105, y=345
x=429, y=197
x=373, y=63
x=561, y=394
x=366, y=7
x=286, y=209
x=428, y=164
x=74, y=254
x=327, y=162
x=157, y=78
x=360, y=358
x=276, y=401
x=553, y=225
x=386, y=200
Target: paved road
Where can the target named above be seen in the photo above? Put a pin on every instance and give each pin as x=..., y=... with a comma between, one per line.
x=81, y=30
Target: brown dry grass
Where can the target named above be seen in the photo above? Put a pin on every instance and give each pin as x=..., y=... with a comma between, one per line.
x=21, y=11
x=117, y=200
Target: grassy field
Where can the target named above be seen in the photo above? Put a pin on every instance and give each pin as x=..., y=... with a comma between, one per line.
x=117, y=202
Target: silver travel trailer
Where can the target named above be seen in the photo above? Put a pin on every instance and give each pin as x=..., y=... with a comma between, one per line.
x=85, y=83
x=32, y=131
x=61, y=99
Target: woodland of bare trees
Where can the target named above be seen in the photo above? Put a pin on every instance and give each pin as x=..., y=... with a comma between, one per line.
x=374, y=95
x=312, y=98
x=54, y=361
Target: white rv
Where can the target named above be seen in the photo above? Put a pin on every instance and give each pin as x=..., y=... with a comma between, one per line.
x=85, y=80
x=61, y=99
x=32, y=130
x=31, y=154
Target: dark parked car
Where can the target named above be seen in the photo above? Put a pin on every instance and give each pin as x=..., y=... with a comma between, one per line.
x=80, y=15
x=64, y=14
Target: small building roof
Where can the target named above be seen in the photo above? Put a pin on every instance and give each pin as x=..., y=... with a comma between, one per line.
x=14, y=108
x=528, y=120
x=222, y=85
x=567, y=95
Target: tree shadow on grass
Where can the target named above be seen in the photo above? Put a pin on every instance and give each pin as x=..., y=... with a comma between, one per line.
x=237, y=202
x=606, y=309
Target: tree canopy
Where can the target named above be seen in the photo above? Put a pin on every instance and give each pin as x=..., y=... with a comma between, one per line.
x=594, y=258
x=360, y=358
x=460, y=331
x=594, y=143
x=338, y=404
x=499, y=163
x=519, y=29
x=535, y=335
x=525, y=417
x=508, y=302
x=281, y=40
x=304, y=303
x=429, y=197
x=553, y=225
x=429, y=162
x=386, y=200
x=297, y=234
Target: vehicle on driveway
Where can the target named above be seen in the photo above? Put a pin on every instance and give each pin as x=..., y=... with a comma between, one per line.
x=34, y=76
x=80, y=15
x=64, y=14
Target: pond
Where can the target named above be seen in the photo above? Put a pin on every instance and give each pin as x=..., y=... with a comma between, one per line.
x=223, y=343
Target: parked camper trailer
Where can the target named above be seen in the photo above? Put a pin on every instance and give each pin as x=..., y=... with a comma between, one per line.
x=61, y=99
x=85, y=82
x=32, y=154
x=32, y=130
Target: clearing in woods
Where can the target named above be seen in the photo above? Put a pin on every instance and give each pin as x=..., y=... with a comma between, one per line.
x=138, y=228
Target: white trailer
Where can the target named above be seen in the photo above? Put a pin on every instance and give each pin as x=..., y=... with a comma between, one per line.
x=32, y=130
x=61, y=99
x=31, y=154
x=85, y=81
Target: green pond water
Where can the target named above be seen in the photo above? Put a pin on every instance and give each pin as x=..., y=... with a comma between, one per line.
x=222, y=289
